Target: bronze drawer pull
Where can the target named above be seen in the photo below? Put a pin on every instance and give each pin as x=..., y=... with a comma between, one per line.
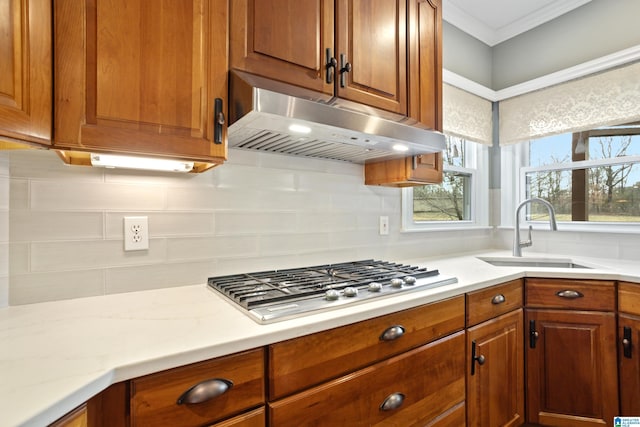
x=393, y=401
x=569, y=294
x=392, y=333
x=205, y=390
x=498, y=299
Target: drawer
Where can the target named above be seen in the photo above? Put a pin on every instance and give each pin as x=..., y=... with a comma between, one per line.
x=255, y=418
x=309, y=360
x=431, y=378
x=154, y=398
x=488, y=303
x=629, y=298
x=597, y=295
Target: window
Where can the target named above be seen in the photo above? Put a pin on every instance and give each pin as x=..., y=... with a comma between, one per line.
x=453, y=203
x=589, y=177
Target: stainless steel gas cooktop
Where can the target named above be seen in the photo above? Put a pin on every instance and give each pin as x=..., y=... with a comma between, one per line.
x=270, y=296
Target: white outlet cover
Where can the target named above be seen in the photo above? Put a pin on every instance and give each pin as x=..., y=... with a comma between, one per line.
x=136, y=233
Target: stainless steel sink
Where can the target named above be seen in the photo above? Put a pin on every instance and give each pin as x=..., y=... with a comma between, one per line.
x=532, y=262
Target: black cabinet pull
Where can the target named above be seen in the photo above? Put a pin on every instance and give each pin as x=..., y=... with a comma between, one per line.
x=480, y=359
x=330, y=66
x=218, y=121
x=205, y=390
x=533, y=334
x=626, y=342
x=345, y=67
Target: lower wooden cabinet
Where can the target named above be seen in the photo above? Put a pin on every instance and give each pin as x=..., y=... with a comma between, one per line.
x=201, y=393
x=571, y=355
x=629, y=348
x=75, y=418
x=410, y=171
x=419, y=386
x=255, y=418
x=495, y=378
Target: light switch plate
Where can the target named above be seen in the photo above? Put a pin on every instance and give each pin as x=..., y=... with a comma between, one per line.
x=136, y=233
x=384, y=225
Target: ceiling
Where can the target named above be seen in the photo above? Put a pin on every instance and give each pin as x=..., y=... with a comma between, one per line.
x=494, y=21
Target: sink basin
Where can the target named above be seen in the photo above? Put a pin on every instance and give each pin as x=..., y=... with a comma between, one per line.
x=531, y=262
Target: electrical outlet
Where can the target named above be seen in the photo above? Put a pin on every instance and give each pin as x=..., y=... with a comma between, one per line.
x=384, y=225
x=136, y=233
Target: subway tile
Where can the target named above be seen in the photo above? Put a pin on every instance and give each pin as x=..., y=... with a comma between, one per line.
x=52, y=286
x=44, y=225
x=18, y=194
x=68, y=196
x=166, y=275
x=4, y=291
x=292, y=243
x=71, y=255
x=238, y=222
x=240, y=176
x=18, y=258
x=45, y=164
x=332, y=222
x=328, y=183
x=195, y=248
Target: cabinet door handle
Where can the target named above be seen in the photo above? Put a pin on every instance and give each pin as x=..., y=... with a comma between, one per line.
x=393, y=401
x=218, y=121
x=626, y=342
x=392, y=333
x=569, y=294
x=480, y=359
x=345, y=67
x=498, y=299
x=533, y=334
x=330, y=66
x=205, y=390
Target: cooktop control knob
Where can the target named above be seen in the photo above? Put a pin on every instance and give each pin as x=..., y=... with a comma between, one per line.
x=331, y=295
x=396, y=282
x=410, y=280
x=375, y=287
x=350, y=291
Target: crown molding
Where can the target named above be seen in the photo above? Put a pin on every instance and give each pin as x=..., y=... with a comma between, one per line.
x=493, y=36
x=613, y=60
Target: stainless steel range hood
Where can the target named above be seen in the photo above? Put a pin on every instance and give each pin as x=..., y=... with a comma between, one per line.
x=263, y=113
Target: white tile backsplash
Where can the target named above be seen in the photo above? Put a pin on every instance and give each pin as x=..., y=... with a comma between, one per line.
x=258, y=211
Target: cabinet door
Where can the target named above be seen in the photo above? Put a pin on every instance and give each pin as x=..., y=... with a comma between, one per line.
x=284, y=40
x=571, y=369
x=629, y=364
x=418, y=387
x=140, y=76
x=410, y=171
x=425, y=62
x=25, y=70
x=371, y=36
x=495, y=381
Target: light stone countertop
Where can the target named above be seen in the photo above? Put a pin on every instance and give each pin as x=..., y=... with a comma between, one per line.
x=54, y=356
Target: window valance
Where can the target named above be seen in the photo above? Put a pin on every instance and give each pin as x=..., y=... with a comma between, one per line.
x=466, y=115
x=607, y=98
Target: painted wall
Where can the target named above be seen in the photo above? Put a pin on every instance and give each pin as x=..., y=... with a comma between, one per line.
x=258, y=211
x=596, y=29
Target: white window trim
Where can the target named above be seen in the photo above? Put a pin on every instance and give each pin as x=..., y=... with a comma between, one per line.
x=479, y=194
x=514, y=191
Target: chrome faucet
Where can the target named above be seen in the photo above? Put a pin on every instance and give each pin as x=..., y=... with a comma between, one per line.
x=517, y=244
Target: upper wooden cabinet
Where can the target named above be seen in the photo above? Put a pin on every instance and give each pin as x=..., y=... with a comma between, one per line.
x=25, y=70
x=382, y=50
x=140, y=77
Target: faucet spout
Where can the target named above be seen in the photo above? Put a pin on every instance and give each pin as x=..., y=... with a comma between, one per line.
x=553, y=225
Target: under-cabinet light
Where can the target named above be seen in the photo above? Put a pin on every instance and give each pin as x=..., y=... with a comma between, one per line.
x=297, y=128
x=145, y=163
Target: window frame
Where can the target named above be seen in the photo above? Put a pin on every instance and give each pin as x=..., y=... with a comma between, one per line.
x=477, y=155
x=518, y=171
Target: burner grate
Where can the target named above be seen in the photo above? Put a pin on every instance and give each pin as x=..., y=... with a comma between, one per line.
x=258, y=289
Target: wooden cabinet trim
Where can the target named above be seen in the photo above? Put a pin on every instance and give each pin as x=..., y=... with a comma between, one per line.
x=481, y=306
x=309, y=360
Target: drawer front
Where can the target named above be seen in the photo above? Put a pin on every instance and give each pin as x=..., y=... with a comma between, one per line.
x=599, y=295
x=491, y=302
x=431, y=379
x=306, y=361
x=255, y=418
x=154, y=398
x=629, y=298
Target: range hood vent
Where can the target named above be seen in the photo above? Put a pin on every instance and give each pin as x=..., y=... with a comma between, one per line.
x=262, y=113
